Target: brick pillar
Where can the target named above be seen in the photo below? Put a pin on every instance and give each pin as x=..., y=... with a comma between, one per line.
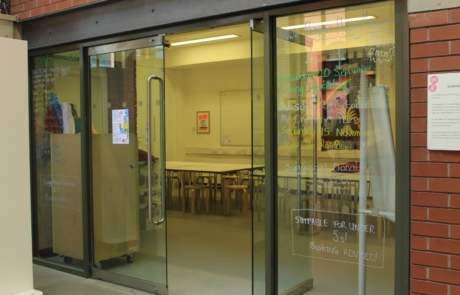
x=26, y=9
x=435, y=175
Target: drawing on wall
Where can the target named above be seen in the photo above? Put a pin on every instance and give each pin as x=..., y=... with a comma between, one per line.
x=202, y=122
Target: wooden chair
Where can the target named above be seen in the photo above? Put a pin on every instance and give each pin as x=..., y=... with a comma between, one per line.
x=194, y=186
x=256, y=189
x=209, y=180
x=172, y=176
x=232, y=183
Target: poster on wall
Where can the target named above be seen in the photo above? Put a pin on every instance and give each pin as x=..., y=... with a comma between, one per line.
x=443, y=116
x=120, y=126
x=202, y=122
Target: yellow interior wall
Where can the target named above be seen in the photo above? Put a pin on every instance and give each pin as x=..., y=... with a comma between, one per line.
x=198, y=89
x=213, y=52
x=147, y=65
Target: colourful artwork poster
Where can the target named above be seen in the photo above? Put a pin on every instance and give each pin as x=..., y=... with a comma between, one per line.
x=120, y=126
x=336, y=102
x=202, y=123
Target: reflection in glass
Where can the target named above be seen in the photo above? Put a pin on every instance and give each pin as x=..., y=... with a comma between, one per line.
x=57, y=160
x=336, y=125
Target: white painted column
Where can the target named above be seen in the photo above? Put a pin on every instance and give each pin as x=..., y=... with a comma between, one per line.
x=15, y=207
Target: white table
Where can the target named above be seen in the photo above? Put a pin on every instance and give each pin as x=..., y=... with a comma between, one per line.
x=206, y=167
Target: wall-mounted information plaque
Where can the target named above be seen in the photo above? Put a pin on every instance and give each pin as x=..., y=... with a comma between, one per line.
x=443, y=112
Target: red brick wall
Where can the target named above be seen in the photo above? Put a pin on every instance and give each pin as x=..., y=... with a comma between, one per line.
x=435, y=175
x=33, y=8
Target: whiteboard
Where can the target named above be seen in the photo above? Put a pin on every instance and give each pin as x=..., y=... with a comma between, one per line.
x=235, y=117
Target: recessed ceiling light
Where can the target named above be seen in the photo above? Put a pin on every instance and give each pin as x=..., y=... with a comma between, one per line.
x=337, y=21
x=204, y=40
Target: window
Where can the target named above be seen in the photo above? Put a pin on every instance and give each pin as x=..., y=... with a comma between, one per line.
x=57, y=161
x=336, y=149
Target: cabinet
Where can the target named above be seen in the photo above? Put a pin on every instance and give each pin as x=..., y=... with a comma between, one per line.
x=66, y=195
x=115, y=179
x=115, y=196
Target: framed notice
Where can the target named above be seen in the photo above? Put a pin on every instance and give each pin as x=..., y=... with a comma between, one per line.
x=443, y=112
x=120, y=126
x=202, y=122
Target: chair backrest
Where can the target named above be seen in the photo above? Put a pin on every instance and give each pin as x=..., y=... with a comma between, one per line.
x=230, y=179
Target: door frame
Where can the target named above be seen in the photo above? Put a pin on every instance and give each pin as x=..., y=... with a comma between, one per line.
x=402, y=137
x=85, y=270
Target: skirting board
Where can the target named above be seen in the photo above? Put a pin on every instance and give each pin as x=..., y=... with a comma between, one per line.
x=30, y=292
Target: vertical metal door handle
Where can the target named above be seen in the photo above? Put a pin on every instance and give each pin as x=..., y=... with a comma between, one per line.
x=149, y=150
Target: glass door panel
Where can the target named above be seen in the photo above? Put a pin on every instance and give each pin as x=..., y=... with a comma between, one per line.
x=57, y=159
x=129, y=236
x=297, y=110
x=336, y=111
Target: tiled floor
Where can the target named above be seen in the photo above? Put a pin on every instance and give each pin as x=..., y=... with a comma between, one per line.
x=53, y=282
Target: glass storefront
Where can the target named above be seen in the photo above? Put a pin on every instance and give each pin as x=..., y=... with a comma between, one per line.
x=335, y=120
x=336, y=159
x=55, y=83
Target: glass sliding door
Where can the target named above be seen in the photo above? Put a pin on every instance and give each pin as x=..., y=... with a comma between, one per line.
x=336, y=125
x=127, y=160
x=58, y=198
x=207, y=102
x=297, y=110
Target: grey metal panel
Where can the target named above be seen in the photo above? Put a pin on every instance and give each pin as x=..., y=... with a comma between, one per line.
x=402, y=230
x=128, y=45
x=271, y=161
x=86, y=208
x=61, y=267
x=130, y=282
x=127, y=16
